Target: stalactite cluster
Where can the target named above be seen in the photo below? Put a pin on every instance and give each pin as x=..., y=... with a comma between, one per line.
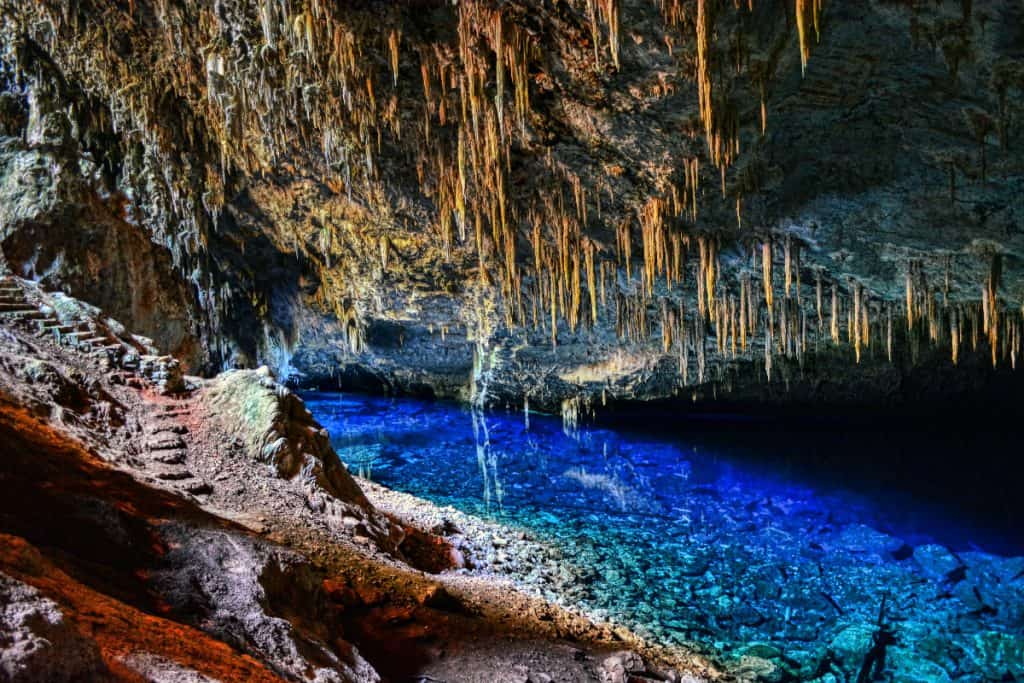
x=265, y=84
x=275, y=79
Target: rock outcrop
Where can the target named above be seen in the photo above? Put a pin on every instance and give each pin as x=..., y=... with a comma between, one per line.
x=278, y=430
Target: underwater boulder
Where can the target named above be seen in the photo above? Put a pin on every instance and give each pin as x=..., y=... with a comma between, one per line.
x=936, y=561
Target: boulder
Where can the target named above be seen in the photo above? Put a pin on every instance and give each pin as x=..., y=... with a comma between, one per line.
x=936, y=561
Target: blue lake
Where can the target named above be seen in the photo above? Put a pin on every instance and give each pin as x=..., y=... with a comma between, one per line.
x=734, y=539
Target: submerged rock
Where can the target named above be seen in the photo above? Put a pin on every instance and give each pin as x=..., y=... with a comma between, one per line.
x=936, y=561
x=998, y=655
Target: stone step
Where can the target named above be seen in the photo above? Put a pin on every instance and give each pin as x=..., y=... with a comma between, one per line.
x=168, y=444
x=17, y=307
x=25, y=314
x=96, y=341
x=7, y=299
x=172, y=416
x=197, y=487
x=170, y=429
x=174, y=474
x=50, y=325
x=170, y=457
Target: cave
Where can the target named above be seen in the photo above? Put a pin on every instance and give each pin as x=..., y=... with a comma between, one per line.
x=511, y=341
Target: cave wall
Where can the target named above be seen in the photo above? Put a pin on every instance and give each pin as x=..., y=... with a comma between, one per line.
x=271, y=183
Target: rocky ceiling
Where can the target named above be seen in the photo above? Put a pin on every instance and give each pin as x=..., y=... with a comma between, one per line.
x=561, y=201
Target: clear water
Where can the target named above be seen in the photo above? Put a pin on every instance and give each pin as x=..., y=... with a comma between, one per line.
x=724, y=539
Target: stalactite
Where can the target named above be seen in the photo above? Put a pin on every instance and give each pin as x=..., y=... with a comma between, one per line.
x=699, y=340
x=744, y=309
x=818, y=300
x=888, y=332
x=834, y=320
x=703, y=26
x=591, y=280
x=667, y=326
x=954, y=336
x=732, y=326
x=497, y=36
x=769, y=286
x=803, y=8
x=855, y=325
x=788, y=264
x=990, y=301
x=684, y=346
x=610, y=9
x=394, y=40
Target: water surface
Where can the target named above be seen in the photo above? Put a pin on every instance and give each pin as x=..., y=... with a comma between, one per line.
x=758, y=546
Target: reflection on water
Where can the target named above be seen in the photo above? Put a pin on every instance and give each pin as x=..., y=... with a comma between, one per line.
x=710, y=541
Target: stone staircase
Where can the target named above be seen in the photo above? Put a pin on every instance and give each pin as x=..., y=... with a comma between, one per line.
x=87, y=336
x=14, y=305
x=167, y=449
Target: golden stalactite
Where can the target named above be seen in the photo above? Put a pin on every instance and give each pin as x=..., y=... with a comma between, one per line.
x=744, y=310
x=788, y=264
x=807, y=10
x=766, y=267
x=854, y=315
x=888, y=333
x=704, y=94
x=606, y=11
x=323, y=84
x=588, y=252
x=834, y=317
x=394, y=41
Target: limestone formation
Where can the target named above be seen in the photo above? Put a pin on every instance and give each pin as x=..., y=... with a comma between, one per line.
x=365, y=195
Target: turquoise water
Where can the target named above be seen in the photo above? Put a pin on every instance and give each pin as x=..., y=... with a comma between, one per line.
x=734, y=539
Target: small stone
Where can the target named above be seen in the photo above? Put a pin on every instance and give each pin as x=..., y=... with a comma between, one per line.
x=936, y=561
x=437, y=597
x=859, y=538
x=618, y=667
x=517, y=674
x=759, y=669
